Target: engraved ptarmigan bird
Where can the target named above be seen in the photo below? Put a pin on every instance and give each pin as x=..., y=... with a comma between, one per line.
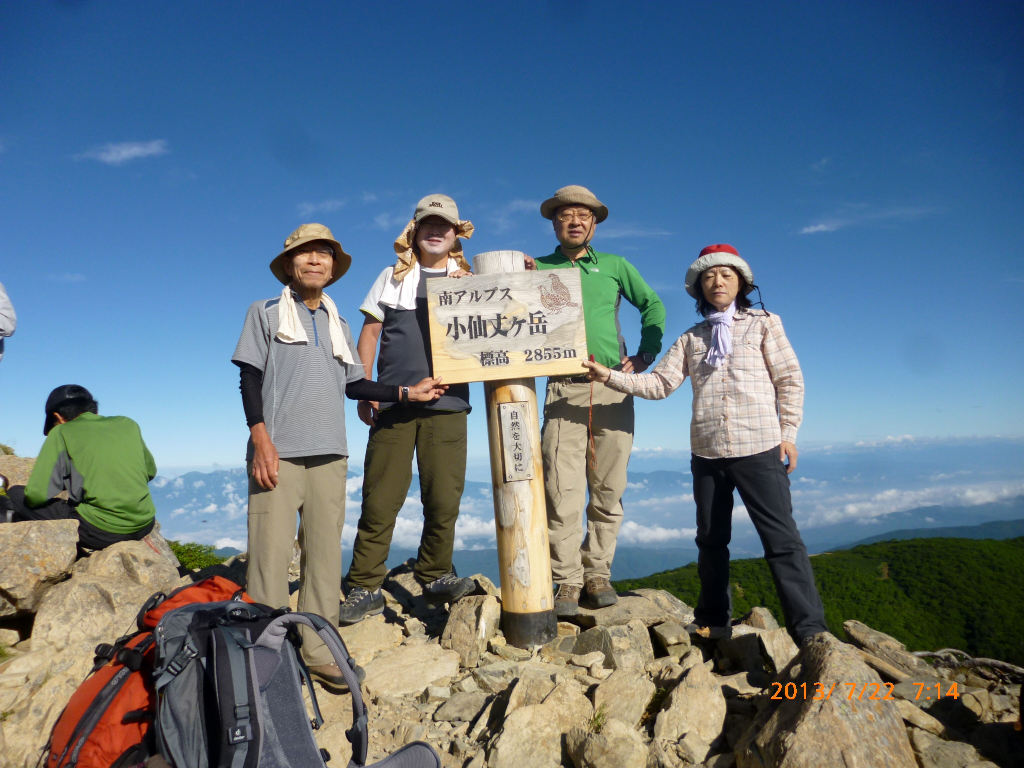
x=556, y=299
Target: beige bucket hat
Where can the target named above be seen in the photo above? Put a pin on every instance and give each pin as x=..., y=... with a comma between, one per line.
x=307, y=233
x=574, y=195
x=431, y=205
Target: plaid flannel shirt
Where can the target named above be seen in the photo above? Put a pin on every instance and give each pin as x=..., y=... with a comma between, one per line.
x=753, y=401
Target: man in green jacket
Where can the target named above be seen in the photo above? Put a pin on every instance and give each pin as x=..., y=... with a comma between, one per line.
x=588, y=428
x=103, y=464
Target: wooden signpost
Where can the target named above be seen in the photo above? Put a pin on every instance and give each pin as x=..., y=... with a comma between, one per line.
x=524, y=324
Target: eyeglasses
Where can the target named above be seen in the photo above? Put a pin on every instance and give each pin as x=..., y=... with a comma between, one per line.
x=583, y=215
x=320, y=250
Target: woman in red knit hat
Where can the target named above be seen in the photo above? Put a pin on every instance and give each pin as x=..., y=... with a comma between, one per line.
x=748, y=395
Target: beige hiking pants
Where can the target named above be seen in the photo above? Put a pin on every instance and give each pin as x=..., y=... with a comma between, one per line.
x=568, y=476
x=315, y=486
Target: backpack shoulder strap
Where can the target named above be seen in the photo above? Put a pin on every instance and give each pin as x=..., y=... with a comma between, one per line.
x=273, y=637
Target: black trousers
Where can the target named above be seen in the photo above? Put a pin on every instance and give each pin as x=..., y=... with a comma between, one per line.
x=763, y=485
x=89, y=536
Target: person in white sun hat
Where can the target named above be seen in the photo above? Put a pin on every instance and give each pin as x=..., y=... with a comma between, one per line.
x=748, y=395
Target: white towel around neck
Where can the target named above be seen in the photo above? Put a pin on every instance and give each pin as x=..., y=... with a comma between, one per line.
x=721, y=336
x=290, y=330
x=401, y=294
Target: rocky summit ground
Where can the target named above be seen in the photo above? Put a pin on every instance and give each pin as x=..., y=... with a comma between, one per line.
x=621, y=687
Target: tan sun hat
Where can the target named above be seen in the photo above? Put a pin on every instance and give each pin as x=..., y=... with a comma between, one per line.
x=437, y=205
x=574, y=195
x=307, y=233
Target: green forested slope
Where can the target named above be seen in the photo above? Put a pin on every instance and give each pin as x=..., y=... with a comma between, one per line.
x=928, y=593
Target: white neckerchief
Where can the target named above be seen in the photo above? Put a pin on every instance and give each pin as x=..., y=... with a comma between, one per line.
x=721, y=336
x=401, y=294
x=290, y=329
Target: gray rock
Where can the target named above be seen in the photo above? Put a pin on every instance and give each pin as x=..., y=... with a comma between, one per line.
x=402, y=584
x=630, y=607
x=134, y=561
x=695, y=704
x=471, y=623
x=671, y=606
x=743, y=651
x=435, y=693
x=370, y=638
x=560, y=649
x=495, y=678
x=693, y=747
x=669, y=634
x=466, y=685
x=624, y=696
x=586, y=659
x=919, y=718
x=742, y=684
x=933, y=752
x=778, y=648
x=665, y=675
x=617, y=745
x=511, y=653
x=566, y=629
x=885, y=647
x=624, y=646
x=724, y=760
x=87, y=609
x=156, y=540
x=806, y=733
x=531, y=688
x=408, y=670
x=533, y=735
x=760, y=618
x=485, y=586
x=409, y=732
x=33, y=557
x=462, y=707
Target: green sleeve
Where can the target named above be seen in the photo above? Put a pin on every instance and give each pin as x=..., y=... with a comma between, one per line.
x=150, y=461
x=652, y=311
x=46, y=480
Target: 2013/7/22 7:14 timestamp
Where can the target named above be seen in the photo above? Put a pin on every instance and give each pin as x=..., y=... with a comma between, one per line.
x=873, y=691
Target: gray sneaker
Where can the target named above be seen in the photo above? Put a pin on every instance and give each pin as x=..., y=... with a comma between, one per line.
x=359, y=603
x=448, y=588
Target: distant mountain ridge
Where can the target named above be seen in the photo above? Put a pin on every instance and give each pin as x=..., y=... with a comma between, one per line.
x=997, y=529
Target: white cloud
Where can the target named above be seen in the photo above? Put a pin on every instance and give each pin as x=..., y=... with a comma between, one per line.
x=123, y=152
x=241, y=544
x=325, y=206
x=390, y=221
x=852, y=507
x=664, y=500
x=505, y=217
x=890, y=440
x=820, y=165
x=860, y=214
x=632, y=532
x=208, y=509
x=368, y=197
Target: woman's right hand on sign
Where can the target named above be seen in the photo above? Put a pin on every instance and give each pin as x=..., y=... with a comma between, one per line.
x=596, y=371
x=427, y=390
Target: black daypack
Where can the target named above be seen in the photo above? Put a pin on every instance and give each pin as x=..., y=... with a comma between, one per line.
x=228, y=682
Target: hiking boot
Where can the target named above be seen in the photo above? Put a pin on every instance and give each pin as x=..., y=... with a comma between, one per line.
x=448, y=588
x=359, y=603
x=600, y=592
x=567, y=600
x=709, y=633
x=331, y=678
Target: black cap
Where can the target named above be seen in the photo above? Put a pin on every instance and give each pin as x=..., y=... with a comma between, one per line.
x=58, y=397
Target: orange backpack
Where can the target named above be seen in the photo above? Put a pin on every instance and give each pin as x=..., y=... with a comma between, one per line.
x=107, y=721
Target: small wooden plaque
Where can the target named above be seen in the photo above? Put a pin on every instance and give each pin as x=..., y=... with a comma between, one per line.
x=517, y=456
x=507, y=326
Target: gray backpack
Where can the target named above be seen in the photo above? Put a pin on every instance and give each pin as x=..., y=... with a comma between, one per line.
x=228, y=683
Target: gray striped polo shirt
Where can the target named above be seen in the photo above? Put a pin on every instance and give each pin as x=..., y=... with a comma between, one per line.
x=303, y=384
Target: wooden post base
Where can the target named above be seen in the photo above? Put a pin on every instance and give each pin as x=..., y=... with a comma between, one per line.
x=524, y=630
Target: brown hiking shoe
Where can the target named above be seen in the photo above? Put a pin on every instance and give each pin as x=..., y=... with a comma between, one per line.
x=331, y=678
x=567, y=600
x=600, y=592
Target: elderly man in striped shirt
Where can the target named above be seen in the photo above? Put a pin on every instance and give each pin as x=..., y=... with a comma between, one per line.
x=748, y=396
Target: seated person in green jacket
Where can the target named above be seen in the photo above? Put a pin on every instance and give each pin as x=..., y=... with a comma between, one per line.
x=103, y=464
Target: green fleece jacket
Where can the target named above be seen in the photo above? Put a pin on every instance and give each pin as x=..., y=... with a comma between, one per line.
x=605, y=279
x=103, y=464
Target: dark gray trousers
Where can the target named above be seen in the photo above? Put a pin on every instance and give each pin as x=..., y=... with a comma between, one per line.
x=763, y=485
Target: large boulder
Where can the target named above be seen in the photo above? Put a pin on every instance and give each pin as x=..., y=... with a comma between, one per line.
x=696, y=704
x=33, y=557
x=625, y=646
x=87, y=609
x=472, y=622
x=933, y=752
x=409, y=669
x=834, y=730
x=672, y=607
x=885, y=647
x=156, y=540
x=134, y=561
x=370, y=637
x=534, y=735
x=778, y=648
x=624, y=696
x=617, y=745
x=628, y=608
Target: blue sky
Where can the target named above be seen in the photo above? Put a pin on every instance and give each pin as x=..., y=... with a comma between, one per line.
x=867, y=159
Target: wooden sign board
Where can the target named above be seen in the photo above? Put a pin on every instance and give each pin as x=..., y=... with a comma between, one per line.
x=507, y=326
